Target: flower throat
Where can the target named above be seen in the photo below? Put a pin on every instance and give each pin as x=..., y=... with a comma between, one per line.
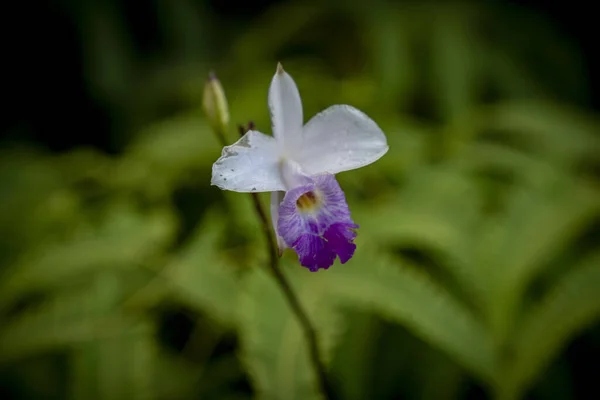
x=307, y=202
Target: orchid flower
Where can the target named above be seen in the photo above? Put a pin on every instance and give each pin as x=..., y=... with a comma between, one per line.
x=297, y=165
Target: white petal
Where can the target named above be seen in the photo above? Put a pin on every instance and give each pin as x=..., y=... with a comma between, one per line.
x=249, y=165
x=285, y=106
x=292, y=174
x=276, y=199
x=341, y=138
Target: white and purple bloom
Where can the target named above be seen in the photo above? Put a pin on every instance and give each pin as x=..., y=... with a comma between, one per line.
x=308, y=207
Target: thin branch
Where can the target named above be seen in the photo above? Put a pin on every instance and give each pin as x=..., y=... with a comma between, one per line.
x=309, y=331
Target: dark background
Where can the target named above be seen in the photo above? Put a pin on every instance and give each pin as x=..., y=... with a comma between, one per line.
x=46, y=98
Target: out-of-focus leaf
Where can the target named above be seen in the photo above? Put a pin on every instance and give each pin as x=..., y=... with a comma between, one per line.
x=34, y=378
x=549, y=129
x=68, y=318
x=546, y=131
x=167, y=153
x=200, y=276
x=509, y=76
x=570, y=306
x=34, y=200
x=354, y=352
x=440, y=376
x=453, y=62
x=118, y=367
x=391, y=54
x=495, y=158
x=540, y=221
x=242, y=214
x=183, y=27
x=436, y=209
x=82, y=163
x=409, y=297
x=124, y=239
x=220, y=377
x=259, y=43
x=274, y=348
x=174, y=377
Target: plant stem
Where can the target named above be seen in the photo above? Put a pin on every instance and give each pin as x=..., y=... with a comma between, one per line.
x=310, y=332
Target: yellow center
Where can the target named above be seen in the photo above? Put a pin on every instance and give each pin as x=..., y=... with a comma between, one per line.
x=307, y=202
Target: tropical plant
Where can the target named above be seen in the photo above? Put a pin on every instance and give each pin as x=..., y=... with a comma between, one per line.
x=477, y=254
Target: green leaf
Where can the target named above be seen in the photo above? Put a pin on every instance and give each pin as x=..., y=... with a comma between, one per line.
x=168, y=153
x=201, y=277
x=440, y=377
x=260, y=43
x=124, y=239
x=553, y=130
x=437, y=208
x=409, y=297
x=541, y=220
x=354, y=353
x=453, y=64
x=241, y=212
x=509, y=75
x=542, y=130
x=274, y=348
x=485, y=157
x=182, y=25
x=391, y=54
x=176, y=144
x=34, y=200
x=118, y=367
x=174, y=377
x=569, y=307
x=73, y=316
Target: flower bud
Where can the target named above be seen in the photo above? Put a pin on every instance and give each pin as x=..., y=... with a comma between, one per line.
x=214, y=104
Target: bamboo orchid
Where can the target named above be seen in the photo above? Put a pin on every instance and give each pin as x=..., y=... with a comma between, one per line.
x=298, y=166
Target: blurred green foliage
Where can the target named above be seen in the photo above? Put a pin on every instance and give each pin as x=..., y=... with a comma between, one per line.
x=477, y=260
